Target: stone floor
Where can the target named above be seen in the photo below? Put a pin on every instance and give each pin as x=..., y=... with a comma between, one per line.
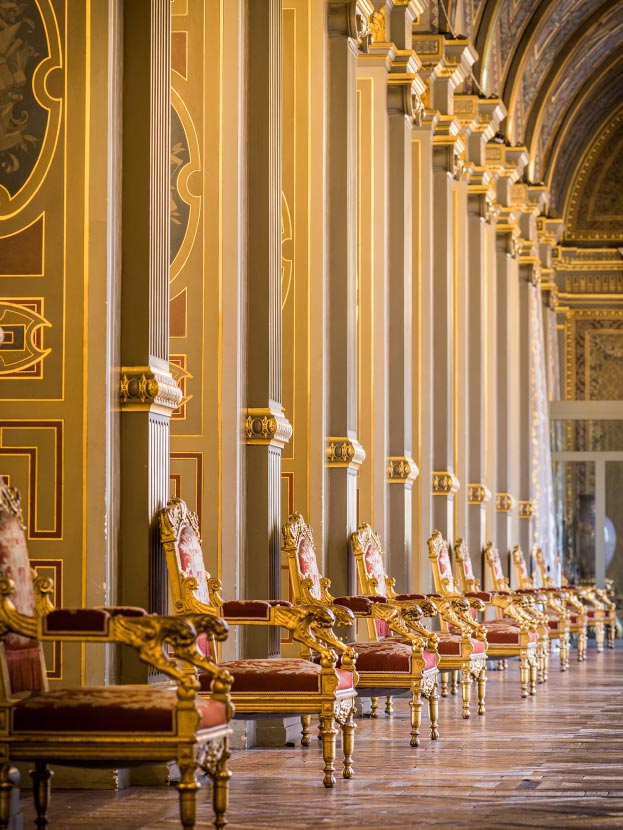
x=554, y=761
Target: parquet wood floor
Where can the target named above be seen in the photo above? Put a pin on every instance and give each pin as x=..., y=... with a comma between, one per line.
x=554, y=761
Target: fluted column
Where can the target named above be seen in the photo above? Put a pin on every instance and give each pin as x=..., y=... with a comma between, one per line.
x=148, y=393
x=266, y=427
x=344, y=453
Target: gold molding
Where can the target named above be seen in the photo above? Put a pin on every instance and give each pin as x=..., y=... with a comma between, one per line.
x=146, y=389
x=266, y=426
x=445, y=484
x=526, y=509
x=401, y=469
x=478, y=494
x=504, y=502
x=345, y=452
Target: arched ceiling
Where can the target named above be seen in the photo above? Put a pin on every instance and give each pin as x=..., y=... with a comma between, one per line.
x=558, y=66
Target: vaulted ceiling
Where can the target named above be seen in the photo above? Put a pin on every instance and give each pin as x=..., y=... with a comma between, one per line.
x=558, y=66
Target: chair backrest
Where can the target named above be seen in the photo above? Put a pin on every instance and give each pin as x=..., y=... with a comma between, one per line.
x=298, y=544
x=23, y=656
x=539, y=558
x=371, y=574
x=463, y=562
x=179, y=534
x=498, y=582
x=521, y=568
x=439, y=554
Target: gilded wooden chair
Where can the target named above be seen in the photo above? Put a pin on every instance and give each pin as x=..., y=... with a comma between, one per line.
x=516, y=638
x=267, y=686
x=387, y=665
x=457, y=652
x=102, y=726
x=519, y=607
x=599, y=609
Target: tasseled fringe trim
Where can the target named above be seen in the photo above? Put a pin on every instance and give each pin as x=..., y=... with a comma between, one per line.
x=24, y=669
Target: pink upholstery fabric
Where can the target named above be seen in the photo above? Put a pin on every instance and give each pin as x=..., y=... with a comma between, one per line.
x=466, y=564
x=133, y=709
x=450, y=645
x=308, y=566
x=373, y=561
x=523, y=569
x=390, y=655
x=497, y=567
x=506, y=635
x=358, y=605
x=445, y=566
x=277, y=675
x=191, y=562
x=23, y=654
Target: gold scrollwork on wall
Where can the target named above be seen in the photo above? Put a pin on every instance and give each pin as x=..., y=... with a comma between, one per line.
x=185, y=205
x=22, y=351
x=30, y=99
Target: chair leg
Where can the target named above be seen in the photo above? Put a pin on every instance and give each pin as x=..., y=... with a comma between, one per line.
x=374, y=707
x=416, y=717
x=41, y=785
x=348, y=744
x=524, y=672
x=466, y=689
x=433, y=711
x=187, y=789
x=454, y=685
x=444, y=683
x=328, y=733
x=220, y=788
x=482, y=686
x=6, y=786
x=389, y=705
x=305, y=724
x=533, y=674
x=546, y=648
x=611, y=633
x=599, y=636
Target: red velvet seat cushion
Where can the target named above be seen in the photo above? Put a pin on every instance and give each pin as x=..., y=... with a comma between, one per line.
x=391, y=655
x=276, y=675
x=505, y=635
x=108, y=709
x=450, y=644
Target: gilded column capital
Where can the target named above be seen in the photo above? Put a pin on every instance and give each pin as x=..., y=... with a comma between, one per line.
x=401, y=469
x=445, y=484
x=349, y=18
x=549, y=292
x=148, y=389
x=345, y=452
x=507, y=230
x=478, y=494
x=526, y=509
x=267, y=426
x=504, y=502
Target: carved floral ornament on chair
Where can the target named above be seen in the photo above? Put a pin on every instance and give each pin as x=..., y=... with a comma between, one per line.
x=103, y=726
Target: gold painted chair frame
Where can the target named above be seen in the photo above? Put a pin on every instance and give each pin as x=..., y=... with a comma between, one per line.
x=472, y=665
x=419, y=681
x=311, y=627
x=595, y=599
x=192, y=746
x=507, y=604
x=465, y=605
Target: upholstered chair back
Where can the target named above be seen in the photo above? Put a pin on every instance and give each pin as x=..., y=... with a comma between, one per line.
x=302, y=558
x=463, y=562
x=24, y=657
x=189, y=579
x=371, y=571
x=521, y=568
x=541, y=565
x=499, y=582
x=441, y=565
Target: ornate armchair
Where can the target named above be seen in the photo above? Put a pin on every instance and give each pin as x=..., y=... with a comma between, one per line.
x=508, y=605
x=102, y=726
x=600, y=610
x=504, y=639
x=267, y=686
x=456, y=651
x=552, y=617
x=387, y=665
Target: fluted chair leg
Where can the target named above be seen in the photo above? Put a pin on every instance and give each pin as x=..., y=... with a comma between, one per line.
x=41, y=786
x=416, y=717
x=305, y=724
x=328, y=733
x=348, y=745
x=6, y=785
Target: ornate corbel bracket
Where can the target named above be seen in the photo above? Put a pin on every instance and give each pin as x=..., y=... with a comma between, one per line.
x=147, y=389
x=267, y=426
x=345, y=452
x=478, y=494
x=445, y=484
x=401, y=470
x=504, y=502
x=526, y=509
